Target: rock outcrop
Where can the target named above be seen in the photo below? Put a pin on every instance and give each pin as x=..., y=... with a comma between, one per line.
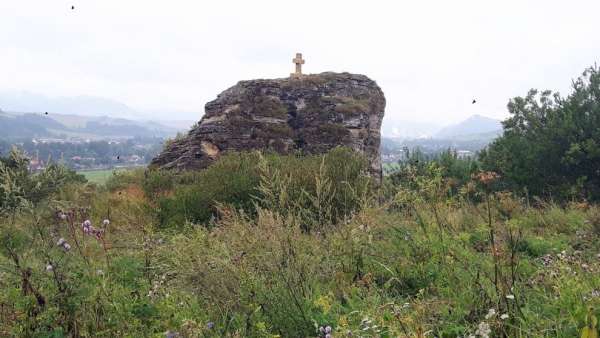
x=313, y=114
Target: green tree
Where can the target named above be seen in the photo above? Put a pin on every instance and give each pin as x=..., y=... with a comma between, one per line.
x=551, y=145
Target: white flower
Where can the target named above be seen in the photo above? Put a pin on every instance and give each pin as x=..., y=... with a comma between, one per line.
x=328, y=329
x=106, y=222
x=63, y=216
x=491, y=313
x=87, y=223
x=504, y=316
x=67, y=246
x=49, y=267
x=61, y=242
x=510, y=297
x=483, y=329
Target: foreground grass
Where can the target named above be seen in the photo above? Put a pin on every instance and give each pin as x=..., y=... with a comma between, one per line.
x=268, y=257
x=384, y=273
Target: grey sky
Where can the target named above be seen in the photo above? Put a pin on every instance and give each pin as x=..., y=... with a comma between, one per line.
x=430, y=57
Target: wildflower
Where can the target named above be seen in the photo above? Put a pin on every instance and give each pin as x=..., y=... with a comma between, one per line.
x=49, y=268
x=106, y=222
x=328, y=335
x=87, y=223
x=99, y=272
x=491, y=313
x=328, y=329
x=483, y=329
x=61, y=242
x=171, y=334
x=62, y=216
x=486, y=177
x=98, y=233
x=504, y=316
x=511, y=297
x=210, y=325
x=67, y=246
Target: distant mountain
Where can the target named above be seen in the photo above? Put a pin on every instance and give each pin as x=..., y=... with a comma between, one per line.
x=20, y=126
x=475, y=127
x=30, y=125
x=23, y=101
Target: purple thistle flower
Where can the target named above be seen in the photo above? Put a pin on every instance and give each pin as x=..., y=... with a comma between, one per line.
x=328, y=329
x=328, y=335
x=87, y=223
x=67, y=246
x=171, y=334
x=210, y=325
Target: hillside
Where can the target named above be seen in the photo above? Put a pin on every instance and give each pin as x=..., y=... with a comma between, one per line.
x=29, y=125
x=476, y=126
x=24, y=101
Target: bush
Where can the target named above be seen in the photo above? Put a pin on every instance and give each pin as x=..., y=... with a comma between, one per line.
x=317, y=189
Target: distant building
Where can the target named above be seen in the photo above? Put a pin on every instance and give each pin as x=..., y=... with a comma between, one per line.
x=464, y=154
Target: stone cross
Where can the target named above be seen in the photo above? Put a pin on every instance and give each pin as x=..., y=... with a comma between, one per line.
x=299, y=61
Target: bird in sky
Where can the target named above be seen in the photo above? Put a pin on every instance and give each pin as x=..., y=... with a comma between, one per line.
x=474, y=101
x=72, y=7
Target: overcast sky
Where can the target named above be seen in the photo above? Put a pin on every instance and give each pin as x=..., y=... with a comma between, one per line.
x=431, y=58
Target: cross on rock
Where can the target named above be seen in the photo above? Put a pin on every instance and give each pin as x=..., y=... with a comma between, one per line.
x=299, y=61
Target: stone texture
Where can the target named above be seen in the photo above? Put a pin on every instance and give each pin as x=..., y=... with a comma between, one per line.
x=312, y=113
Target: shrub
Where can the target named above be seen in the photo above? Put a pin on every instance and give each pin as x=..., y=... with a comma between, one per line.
x=318, y=189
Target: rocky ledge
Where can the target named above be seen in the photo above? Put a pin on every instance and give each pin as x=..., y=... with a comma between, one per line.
x=311, y=114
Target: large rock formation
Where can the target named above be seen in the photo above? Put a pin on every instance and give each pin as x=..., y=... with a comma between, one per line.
x=312, y=113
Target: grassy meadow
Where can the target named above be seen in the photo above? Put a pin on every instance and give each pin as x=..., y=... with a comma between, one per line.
x=97, y=176
x=266, y=245
x=285, y=246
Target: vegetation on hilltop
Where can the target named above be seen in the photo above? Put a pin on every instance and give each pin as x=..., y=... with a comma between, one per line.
x=265, y=245
x=551, y=144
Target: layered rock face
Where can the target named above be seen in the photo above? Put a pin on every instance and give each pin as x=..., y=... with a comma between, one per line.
x=312, y=114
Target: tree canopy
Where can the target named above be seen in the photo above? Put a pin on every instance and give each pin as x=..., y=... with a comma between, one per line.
x=551, y=144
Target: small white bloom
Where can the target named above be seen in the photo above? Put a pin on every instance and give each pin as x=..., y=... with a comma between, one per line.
x=504, y=316
x=61, y=242
x=67, y=246
x=49, y=267
x=510, y=297
x=328, y=329
x=491, y=313
x=483, y=329
x=87, y=223
x=106, y=222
